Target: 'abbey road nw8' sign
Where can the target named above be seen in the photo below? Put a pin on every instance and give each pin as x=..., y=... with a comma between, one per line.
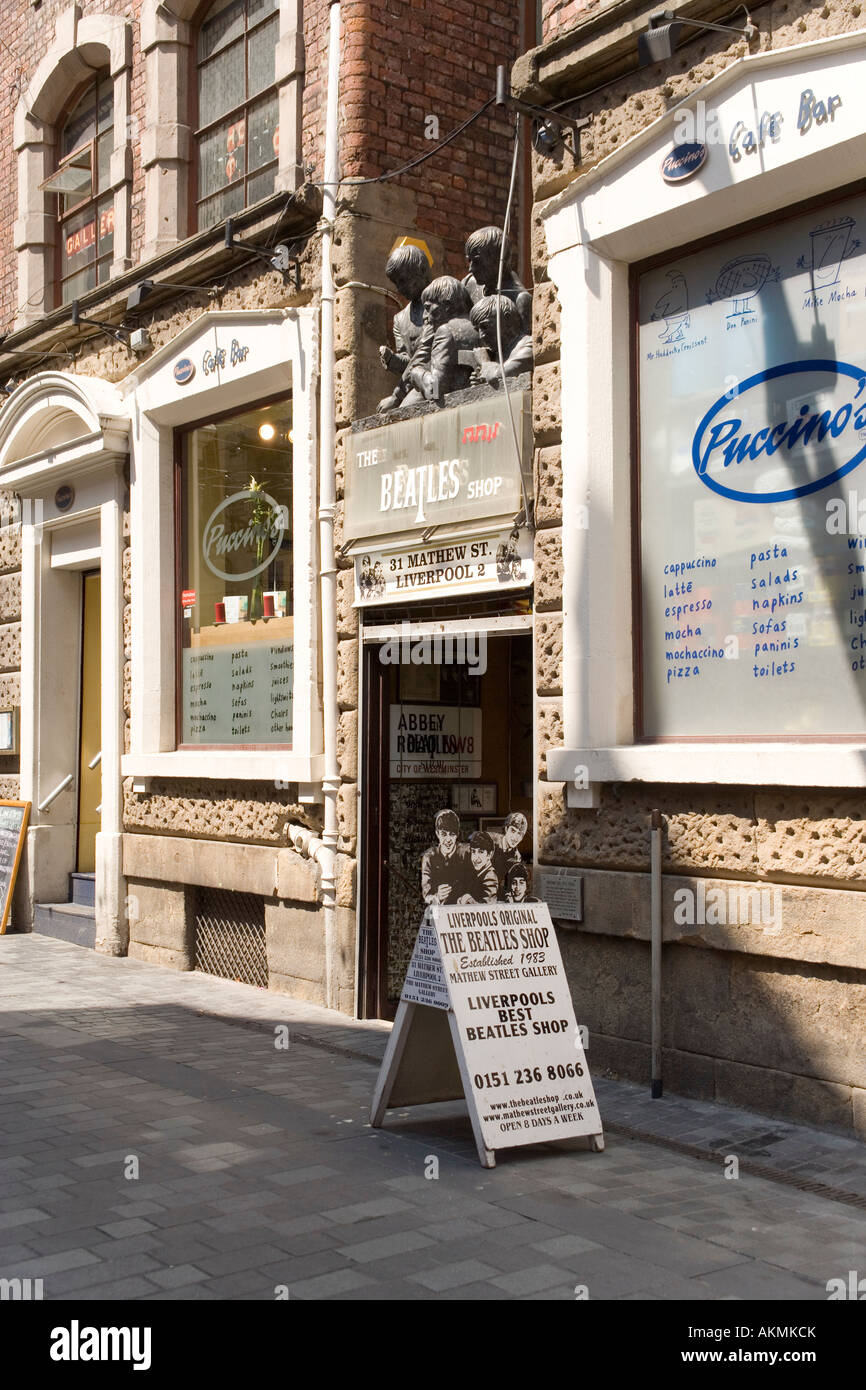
x=458, y=465
x=493, y=974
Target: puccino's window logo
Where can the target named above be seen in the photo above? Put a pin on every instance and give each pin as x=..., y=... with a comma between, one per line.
x=259, y=531
x=818, y=442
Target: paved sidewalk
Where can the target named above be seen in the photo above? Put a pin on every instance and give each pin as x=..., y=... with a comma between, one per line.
x=156, y=1144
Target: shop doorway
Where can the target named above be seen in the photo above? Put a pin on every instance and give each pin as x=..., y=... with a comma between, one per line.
x=439, y=734
x=89, y=739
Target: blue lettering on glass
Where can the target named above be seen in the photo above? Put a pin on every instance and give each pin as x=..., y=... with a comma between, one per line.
x=725, y=442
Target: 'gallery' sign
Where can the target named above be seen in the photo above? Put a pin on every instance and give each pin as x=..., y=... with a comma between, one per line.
x=457, y=465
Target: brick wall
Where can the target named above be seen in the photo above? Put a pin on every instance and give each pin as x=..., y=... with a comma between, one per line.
x=406, y=61
x=558, y=15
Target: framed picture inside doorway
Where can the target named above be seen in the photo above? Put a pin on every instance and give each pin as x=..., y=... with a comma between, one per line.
x=8, y=730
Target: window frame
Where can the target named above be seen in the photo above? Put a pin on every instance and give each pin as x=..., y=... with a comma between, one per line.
x=786, y=213
x=181, y=434
x=101, y=77
x=230, y=116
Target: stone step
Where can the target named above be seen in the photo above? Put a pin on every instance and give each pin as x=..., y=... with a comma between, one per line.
x=73, y=922
x=82, y=889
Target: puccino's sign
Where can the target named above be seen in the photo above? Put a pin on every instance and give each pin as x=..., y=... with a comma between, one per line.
x=737, y=454
x=457, y=465
x=248, y=526
x=752, y=471
x=683, y=161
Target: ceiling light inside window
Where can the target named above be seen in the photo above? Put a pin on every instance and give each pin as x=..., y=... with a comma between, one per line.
x=267, y=432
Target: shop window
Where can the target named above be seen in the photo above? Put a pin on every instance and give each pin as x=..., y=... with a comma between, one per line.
x=82, y=185
x=235, y=579
x=238, y=115
x=753, y=483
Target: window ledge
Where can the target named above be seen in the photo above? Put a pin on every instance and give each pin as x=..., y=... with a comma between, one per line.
x=744, y=764
x=218, y=764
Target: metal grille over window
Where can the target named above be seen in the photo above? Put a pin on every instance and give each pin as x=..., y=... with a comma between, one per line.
x=230, y=936
x=238, y=130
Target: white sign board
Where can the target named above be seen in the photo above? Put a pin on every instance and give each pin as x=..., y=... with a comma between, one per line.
x=435, y=741
x=494, y=561
x=495, y=972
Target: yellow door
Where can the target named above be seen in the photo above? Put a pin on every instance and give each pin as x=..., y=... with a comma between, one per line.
x=89, y=779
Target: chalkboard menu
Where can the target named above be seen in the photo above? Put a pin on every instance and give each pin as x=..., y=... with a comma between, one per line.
x=753, y=482
x=13, y=826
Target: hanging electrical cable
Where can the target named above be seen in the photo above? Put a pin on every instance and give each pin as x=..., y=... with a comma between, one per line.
x=526, y=516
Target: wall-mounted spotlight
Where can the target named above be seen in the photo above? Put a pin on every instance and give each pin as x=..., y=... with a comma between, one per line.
x=663, y=32
x=140, y=292
x=121, y=335
x=548, y=125
x=278, y=259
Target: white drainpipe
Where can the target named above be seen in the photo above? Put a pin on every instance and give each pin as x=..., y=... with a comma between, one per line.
x=326, y=851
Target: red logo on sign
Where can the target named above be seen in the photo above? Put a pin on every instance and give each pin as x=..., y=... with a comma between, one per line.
x=187, y=598
x=480, y=434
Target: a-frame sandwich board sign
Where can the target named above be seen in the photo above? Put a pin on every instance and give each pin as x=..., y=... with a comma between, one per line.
x=486, y=1014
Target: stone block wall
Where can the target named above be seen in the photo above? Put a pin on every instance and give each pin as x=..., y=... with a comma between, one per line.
x=769, y=1016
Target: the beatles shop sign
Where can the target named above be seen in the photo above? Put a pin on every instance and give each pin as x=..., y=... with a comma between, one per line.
x=457, y=465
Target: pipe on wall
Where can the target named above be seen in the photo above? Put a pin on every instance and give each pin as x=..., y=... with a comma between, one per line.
x=327, y=852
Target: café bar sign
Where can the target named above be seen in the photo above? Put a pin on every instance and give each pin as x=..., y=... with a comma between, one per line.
x=456, y=465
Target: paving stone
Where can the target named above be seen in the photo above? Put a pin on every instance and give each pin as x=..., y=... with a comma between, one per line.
x=258, y=1172
x=328, y=1285
x=454, y=1275
x=178, y=1277
x=380, y=1249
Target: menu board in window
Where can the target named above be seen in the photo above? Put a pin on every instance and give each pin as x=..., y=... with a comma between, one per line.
x=752, y=358
x=13, y=827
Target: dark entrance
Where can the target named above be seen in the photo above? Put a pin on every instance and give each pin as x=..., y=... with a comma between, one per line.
x=440, y=733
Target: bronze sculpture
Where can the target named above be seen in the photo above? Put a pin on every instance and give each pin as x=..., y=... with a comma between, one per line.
x=516, y=342
x=408, y=269
x=483, y=253
x=446, y=337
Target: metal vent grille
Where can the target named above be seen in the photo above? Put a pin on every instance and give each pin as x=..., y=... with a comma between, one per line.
x=230, y=936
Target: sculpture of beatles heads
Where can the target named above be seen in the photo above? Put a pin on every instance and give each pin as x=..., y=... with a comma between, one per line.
x=445, y=352
x=408, y=269
x=516, y=343
x=483, y=253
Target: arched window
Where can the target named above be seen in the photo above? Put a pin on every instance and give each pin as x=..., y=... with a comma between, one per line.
x=82, y=183
x=238, y=116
